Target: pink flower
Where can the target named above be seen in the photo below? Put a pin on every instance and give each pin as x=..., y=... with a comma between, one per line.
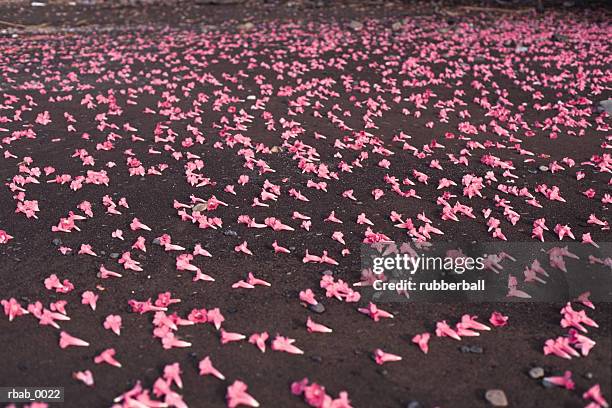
x=564, y=381
x=308, y=297
x=594, y=393
x=4, y=237
x=444, y=330
x=423, y=341
x=498, y=320
x=89, y=298
x=137, y=225
x=84, y=376
x=108, y=357
x=316, y=327
x=227, y=337
x=206, y=368
x=215, y=317
x=259, y=339
x=67, y=340
x=113, y=322
x=237, y=395
x=382, y=357
x=285, y=344
x=374, y=312
x=12, y=308
x=243, y=248
x=172, y=373
x=198, y=316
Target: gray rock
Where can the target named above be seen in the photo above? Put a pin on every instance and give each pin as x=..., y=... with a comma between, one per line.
x=396, y=26
x=356, y=25
x=543, y=168
x=471, y=349
x=114, y=255
x=414, y=404
x=230, y=233
x=156, y=241
x=476, y=349
x=316, y=359
x=559, y=37
x=246, y=26
x=521, y=48
x=318, y=308
x=496, y=398
x=606, y=106
x=536, y=372
x=57, y=241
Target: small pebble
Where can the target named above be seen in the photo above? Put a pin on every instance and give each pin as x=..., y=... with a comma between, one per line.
x=536, y=372
x=318, y=308
x=201, y=207
x=414, y=404
x=114, y=255
x=496, y=398
x=543, y=168
x=316, y=359
x=356, y=25
x=476, y=349
x=57, y=241
x=230, y=233
x=471, y=349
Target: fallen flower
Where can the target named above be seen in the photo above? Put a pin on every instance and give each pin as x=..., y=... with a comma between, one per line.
x=259, y=339
x=444, y=330
x=382, y=357
x=594, y=393
x=564, y=381
x=67, y=340
x=422, y=340
x=206, y=368
x=172, y=373
x=285, y=344
x=374, y=312
x=84, y=376
x=137, y=225
x=108, y=357
x=4, y=237
x=237, y=395
x=227, y=337
x=89, y=298
x=113, y=322
x=498, y=320
x=316, y=327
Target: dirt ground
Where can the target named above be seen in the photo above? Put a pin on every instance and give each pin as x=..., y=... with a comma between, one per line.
x=159, y=72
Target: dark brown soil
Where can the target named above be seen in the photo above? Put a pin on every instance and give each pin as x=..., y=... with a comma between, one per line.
x=165, y=40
